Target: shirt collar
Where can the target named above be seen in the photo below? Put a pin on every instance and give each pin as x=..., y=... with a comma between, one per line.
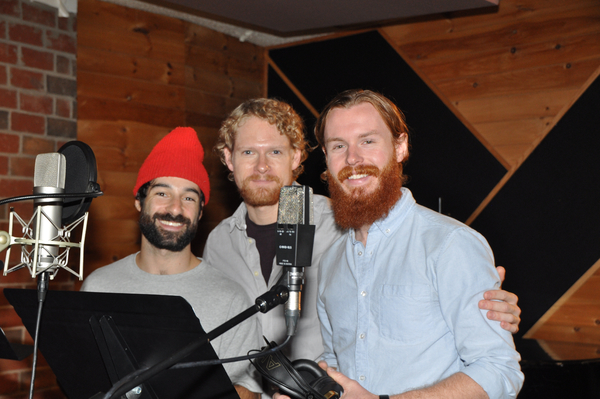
x=389, y=224
x=238, y=219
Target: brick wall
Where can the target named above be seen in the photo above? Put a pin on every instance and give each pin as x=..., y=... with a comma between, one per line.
x=38, y=112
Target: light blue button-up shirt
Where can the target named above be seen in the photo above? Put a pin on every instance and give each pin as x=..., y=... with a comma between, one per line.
x=401, y=313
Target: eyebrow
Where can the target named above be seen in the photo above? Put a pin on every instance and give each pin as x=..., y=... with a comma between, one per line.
x=360, y=136
x=164, y=185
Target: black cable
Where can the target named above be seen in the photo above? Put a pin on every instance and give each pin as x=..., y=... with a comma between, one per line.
x=135, y=374
x=38, y=196
x=231, y=359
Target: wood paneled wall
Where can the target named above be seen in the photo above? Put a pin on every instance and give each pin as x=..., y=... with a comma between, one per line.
x=139, y=76
x=510, y=76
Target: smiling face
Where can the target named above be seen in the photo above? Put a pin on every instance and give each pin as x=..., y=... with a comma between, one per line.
x=363, y=164
x=357, y=144
x=262, y=161
x=170, y=213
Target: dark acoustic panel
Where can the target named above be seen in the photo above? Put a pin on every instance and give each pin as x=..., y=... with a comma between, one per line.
x=544, y=225
x=446, y=162
x=315, y=164
x=559, y=380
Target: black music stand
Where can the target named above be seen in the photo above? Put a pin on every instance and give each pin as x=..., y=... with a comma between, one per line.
x=13, y=351
x=91, y=340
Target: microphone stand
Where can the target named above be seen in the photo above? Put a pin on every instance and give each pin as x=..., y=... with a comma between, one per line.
x=42, y=288
x=267, y=301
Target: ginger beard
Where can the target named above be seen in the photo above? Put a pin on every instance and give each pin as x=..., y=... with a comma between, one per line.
x=264, y=196
x=354, y=209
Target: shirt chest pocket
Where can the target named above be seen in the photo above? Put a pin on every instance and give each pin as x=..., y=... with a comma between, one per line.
x=406, y=313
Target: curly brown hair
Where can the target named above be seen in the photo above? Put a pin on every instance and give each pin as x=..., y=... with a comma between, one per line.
x=277, y=113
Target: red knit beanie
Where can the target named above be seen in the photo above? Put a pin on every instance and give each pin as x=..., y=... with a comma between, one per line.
x=178, y=154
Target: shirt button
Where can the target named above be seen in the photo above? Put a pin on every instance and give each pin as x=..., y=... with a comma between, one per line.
x=256, y=273
x=362, y=378
x=387, y=231
x=363, y=293
x=249, y=239
x=359, y=253
x=362, y=336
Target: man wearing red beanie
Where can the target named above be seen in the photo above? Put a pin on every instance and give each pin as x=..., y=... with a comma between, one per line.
x=171, y=190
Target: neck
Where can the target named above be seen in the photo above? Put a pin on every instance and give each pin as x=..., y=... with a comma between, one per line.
x=161, y=261
x=262, y=215
x=362, y=233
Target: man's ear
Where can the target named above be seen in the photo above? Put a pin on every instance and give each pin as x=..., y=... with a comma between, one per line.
x=138, y=205
x=401, y=144
x=201, y=210
x=297, y=158
x=228, y=161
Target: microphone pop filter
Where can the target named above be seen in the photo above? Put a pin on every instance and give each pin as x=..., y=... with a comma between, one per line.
x=80, y=179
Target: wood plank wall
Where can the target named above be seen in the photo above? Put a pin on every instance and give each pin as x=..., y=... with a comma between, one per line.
x=139, y=76
x=510, y=76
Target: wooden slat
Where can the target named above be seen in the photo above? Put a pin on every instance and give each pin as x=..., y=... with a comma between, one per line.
x=209, y=104
x=116, y=182
x=515, y=107
x=533, y=30
x=541, y=329
x=565, y=333
x=114, y=207
x=230, y=46
x=216, y=61
x=120, y=134
x=509, y=12
x=125, y=30
x=103, y=109
x=197, y=119
x=513, y=57
x=131, y=91
x=113, y=232
x=223, y=85
x=553, y=77
x=521, y=131
x=130, y=66
x=570, y=351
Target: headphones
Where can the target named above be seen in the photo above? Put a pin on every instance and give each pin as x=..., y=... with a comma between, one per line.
x=300, y=379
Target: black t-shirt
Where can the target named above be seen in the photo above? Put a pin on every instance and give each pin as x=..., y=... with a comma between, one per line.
x=264, y=236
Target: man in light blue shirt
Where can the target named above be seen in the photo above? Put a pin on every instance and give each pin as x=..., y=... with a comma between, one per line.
x=398, y=293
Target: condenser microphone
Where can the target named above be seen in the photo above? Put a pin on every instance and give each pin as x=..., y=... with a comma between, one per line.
x=294, y=245
x=64, y=185
x=48, y=178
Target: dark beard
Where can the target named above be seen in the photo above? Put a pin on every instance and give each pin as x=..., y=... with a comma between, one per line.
x=356, y=209
x=168, y=240
x=260, y=197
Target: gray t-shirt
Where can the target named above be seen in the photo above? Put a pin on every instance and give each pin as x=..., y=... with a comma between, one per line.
x=214, y=298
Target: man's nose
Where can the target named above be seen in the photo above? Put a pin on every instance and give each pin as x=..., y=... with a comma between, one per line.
x=262, y=165
x=353, y=156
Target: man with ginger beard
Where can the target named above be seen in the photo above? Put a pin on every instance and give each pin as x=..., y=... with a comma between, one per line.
x=398, y=292
x=262, y=144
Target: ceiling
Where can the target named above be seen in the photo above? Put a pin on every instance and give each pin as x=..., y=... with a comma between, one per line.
x=272, y=22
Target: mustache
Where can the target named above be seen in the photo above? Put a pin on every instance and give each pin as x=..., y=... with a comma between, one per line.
x=348, y=171
x=170, y=218
x=261, y=177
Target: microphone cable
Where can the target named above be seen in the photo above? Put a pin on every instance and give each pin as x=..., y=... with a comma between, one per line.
x=201, y=363
x=94, y=194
